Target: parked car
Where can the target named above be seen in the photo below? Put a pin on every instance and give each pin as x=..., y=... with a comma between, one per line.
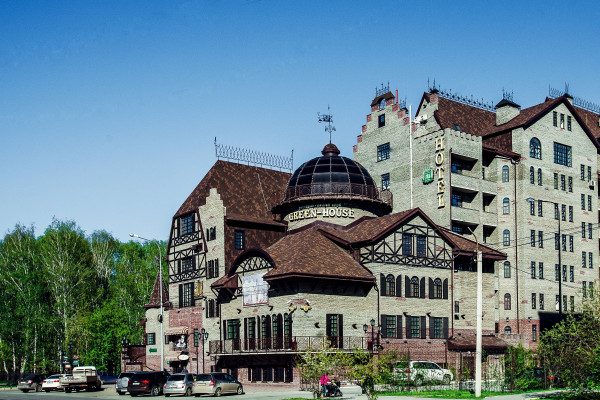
x=147, y=383
x=108, y=378
x=419, y=372
x=179, y=384
x=122, y=381
x=85, y=377
x=31, y=382
x=216, y=383
x=51, y=383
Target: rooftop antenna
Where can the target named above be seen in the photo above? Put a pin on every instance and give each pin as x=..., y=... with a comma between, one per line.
x=329, y=119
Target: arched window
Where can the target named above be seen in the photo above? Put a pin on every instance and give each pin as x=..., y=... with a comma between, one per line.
x=506, y=206
x=390, y=285
x=507, y=330
x=531, y=175
x=414, y=286
x=505, y=173
x=535, y=148
x=506, y=269
x=437, y=289
x=382, y=104
x=540, y=176
x=506, y=237
x=507, y=301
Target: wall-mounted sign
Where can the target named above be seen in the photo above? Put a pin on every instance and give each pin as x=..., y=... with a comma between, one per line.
x=428, y=176
x=439, y=169
x=324, y=212
x=255, y=290
x=152, y=350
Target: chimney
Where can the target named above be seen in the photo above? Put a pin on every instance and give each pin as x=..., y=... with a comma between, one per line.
x=506, y=110
x=433, y=96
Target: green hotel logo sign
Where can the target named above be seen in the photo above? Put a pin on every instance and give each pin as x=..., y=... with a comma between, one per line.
x=427, y=176
x=152, y=350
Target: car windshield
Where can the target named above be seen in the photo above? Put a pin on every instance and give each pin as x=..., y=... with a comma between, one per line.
x=29, y=377
x=53, y=377
x=176, y=378
x=140, y=376
x=204, y=377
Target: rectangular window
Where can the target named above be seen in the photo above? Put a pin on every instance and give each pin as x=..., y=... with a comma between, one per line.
x=563, y=212
x=583, y=259
x=571, y=243
x=571, y=273
x=589, y=203
x=533, y=270
x=186, y=224
x=564, y=273
x=557, y=300
x=533, y=299
x=188, y=294
x=151, y=339
x=570, y=184
x=456, y=166
x=554, y=118
x=564, y=242
x=532, y=238
x=534, y=333
x=187, y=264
x=556, y=241
x=572, y=303
x=583, y=230
x=531, y=208
x=556, y=272
x=583, y=289
x=421, y=246
x=564, y=302
x=239, y=240
x=385, y=181
x=562, y=121
x=570, y=213
x=457, y=307
x=383, y=152
x=562, y=182
x=541, y=301
x=233, y=328
x=555, y=211
x=562, y=154
x=407, y=244
x=589, y=169
x=457, y=199
x=438, y=328
x=591, y=288
x=381, y=121
x=582, y=172
x=568, y=122
x=589, y=230
x=540, y=209
x=541, y=270
x=555, y=180
x=415, y=327
x=582, y=201
x=591, y=260
x=540, y=239
x=390, y=326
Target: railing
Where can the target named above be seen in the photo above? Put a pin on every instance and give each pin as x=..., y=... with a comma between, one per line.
x=286, y=344
x=337, y=189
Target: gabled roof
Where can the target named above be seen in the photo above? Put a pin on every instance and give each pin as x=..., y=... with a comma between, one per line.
x=245, y=190
x=155, y=295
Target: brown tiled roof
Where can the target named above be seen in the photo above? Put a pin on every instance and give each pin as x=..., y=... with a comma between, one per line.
x=308, y=253
x=472, y=120
x=256, y=190
x=526, y=116
x=590, y=119
x=155, y=296
x=465, y=343
x=464, y=245
x=227, y=281
x=254, y=220
x=377, y=99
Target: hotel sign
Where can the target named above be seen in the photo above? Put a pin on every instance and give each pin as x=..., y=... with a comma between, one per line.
x=439, y=170
x=321, y=211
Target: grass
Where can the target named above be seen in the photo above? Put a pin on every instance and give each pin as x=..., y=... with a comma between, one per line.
x=457, y=394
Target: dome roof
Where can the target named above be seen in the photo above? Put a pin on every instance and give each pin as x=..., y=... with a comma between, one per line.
x=331, y=176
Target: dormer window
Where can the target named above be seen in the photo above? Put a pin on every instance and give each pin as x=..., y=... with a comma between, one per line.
x=186, y=224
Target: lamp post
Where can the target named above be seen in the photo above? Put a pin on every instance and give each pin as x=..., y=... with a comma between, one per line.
x=70, y=345
x=160, y=317
x=124, y=344
x=372, y=335
x=560, y=273
x=204, y=337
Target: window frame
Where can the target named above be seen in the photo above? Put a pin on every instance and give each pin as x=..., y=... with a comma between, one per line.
x=563, y=154
x=535, y=148
x=383, y=152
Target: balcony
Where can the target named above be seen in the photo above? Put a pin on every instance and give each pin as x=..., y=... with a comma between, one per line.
x=464, y=214
x=290, y=344
x=465, y=183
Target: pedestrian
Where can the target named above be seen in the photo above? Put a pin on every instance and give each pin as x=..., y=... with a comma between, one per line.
x=324, y=382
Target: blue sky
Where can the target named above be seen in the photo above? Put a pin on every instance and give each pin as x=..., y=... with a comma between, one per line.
x=109, y=109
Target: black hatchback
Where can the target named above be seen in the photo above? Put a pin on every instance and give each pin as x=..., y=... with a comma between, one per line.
x=147, y=382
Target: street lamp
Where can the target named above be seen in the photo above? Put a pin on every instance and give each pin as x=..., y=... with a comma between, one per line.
x=560, y=273
x=204, y=337
x=160, y=317
x=124, y=344
x=372, y=331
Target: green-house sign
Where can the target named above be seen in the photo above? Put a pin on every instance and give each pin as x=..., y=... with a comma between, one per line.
x=428, y=176
x=152, y=350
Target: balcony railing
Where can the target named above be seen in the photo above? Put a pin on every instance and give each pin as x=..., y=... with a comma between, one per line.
x=287, y=344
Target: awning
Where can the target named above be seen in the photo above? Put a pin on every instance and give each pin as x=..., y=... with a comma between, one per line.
x=176, y=330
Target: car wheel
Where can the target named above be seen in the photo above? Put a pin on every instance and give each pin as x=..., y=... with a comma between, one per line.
x=134, y=394
x=418, y=380
x=218, y=392
x=188, y=392
x=24, y=390
x=240, y=390
x=121, y=393
x=68, y=390
x=167, y=395
x=446, y=380
x=47, y=390
x=38, y=388
x=155, y=391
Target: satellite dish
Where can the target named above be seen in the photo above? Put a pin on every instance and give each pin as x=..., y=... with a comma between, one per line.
x=159, y=318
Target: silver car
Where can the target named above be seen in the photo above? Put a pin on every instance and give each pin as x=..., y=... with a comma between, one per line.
x=179, y=384
x=122, y=382
x=216, y=383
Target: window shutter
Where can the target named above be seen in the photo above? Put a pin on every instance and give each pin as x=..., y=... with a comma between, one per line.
x=445, y=327
x=279, y=325
x=445, y=289
x=340, y=326
x=382, y=285
x=180, y=296
x=430, y=288
x=408, y=326
x=258, y=327
x=328, y=324
x=193, y=303
x=207, y=308
x=245, y=328
x=384, y=326
x=178, y=266
x=423, y=328
x=217, y=308
x=407, y=292
x=399, y=286
x=216, y=267
x=225, y=329
x=399, y=326
x=430, y=327
x=268, y=327
x=422, y=288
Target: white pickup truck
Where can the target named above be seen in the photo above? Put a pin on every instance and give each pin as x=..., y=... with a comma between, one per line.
x=82, y=378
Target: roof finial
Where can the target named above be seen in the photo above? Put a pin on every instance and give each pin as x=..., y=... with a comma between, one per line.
x=329, y=119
